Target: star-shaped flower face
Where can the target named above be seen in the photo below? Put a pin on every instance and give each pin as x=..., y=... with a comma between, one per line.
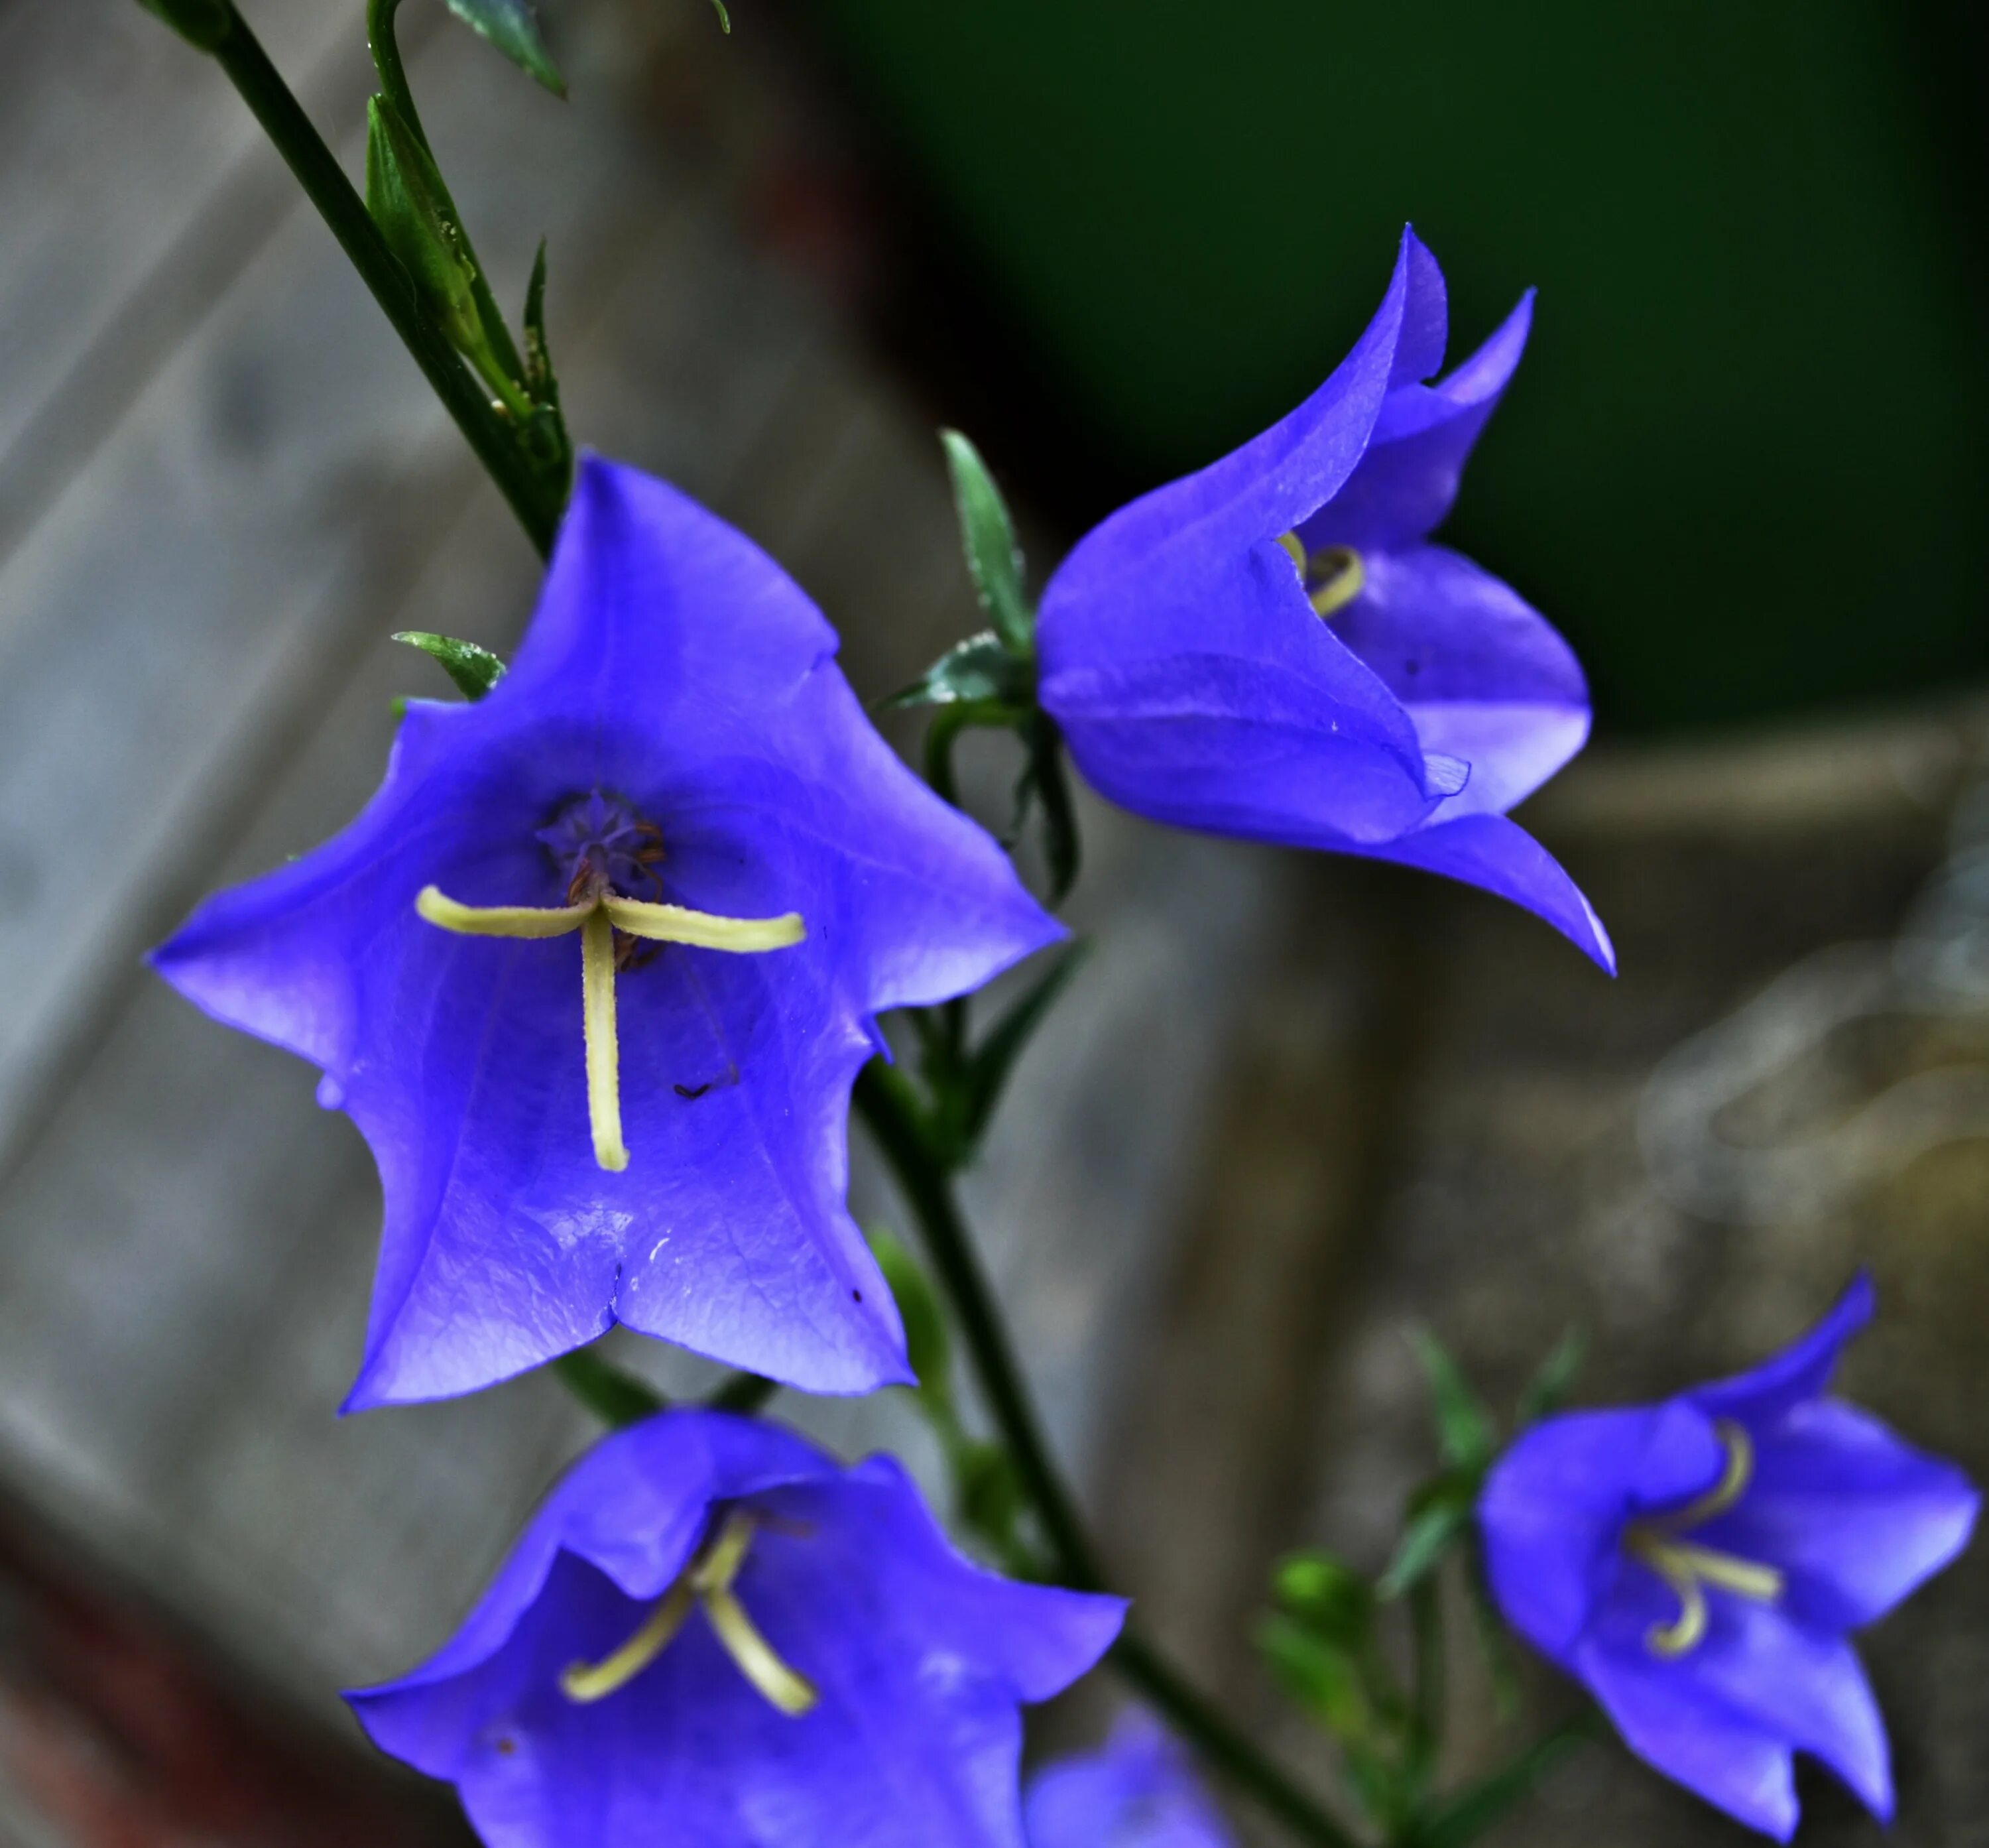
x=595, y=969
x=1137, y=1792
x=714, y=1635
x=1699, y=1564
x=1272, y=648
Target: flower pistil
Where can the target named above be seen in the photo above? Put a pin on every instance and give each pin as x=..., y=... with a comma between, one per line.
x=708, y=1581
x=597, y=912
x=1687, y=1568
x=1333, y=576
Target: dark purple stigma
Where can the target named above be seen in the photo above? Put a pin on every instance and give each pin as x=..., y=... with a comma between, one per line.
x=599, y=843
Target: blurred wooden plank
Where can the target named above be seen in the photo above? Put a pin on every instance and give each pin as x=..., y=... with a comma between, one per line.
x=138, y=188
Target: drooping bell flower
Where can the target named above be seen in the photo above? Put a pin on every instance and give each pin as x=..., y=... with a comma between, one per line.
x=595, y=969
x=714, y=1635
x=1700, y=1563
x=1272, y=648
x=1136, y=1792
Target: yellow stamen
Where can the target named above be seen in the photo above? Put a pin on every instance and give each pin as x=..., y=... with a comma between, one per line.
x=585, y=1682
x=708, y=1581
x=499, y=920
x=604, y=1052
x=1687, y=1568
x=674, y=924
x=1332, y=578
x=596, y=921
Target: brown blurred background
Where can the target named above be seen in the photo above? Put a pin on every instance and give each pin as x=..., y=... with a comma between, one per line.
x=1294, y=1106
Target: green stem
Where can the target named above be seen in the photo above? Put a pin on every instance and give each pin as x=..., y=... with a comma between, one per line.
x=885, y=1101
x=617, y=1399
x=892, y=1113
x=536, y=503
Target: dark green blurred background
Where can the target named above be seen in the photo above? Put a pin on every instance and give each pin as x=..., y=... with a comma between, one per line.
x=1743, y=466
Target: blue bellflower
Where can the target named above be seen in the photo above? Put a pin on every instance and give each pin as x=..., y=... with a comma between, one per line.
x=1272, y=648
x=595, y=969
x=714, y=1635
x=1137, y=1792
x=1699, y=1564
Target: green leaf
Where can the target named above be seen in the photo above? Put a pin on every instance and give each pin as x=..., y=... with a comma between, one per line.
x=1548, y=1391
x=539, y=378
x=1323, y=1678
x=205, y=23
x=1327, y=1596
x=1464, y=1430
x=1439, y=1516
x=475, y=671
x=725, y=17
x=992, y=555
x=408, y=200
x=512, y=27
x=927, y=1344
x=995, y=1057
x=979, y=672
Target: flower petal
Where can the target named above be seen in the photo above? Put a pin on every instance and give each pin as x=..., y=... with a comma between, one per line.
x=1735, y=1764
x=919, y=1658
x=1182, y=543
x=1757, y=1670
x=1554, y=1509
x=1801, y=1371
x=1481, y=674
x=1408, y=480
x=1137, y=1792
x=1495, y=852
x=673, y=665
x=1855, y=1517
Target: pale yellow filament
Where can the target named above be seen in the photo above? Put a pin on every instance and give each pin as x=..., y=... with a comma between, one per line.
x=596, y=921
x=708, y=1581
x=1341, y=572
x=1687, y=1568
x=604, y=1051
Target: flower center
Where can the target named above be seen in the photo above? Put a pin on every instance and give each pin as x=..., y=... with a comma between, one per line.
x=1333, y=576
x=1688, y=1568
x=708, y=1581
x=599, y=843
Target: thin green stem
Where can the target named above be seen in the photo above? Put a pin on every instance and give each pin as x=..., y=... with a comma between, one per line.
x=892, y=1113
x=885, y=1101
x=536, y=502
x=615, y=1398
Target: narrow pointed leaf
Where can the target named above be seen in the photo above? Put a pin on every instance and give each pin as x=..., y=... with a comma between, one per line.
x=996, y=1056
x=512, y=26
x=1464, y=1430
x=1548, y=1389
x=475, y=671
x=408, y=200
x=1434, y=1528
x=1483, y=1806
x=977, y=671
x=989, y=536
x=927, y=1344
x=725, y=17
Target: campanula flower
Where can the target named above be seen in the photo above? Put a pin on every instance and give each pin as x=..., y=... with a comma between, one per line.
x=596, y=968
x=1272, y=648
x=1137, y=1792
x=1699, y=1564
x=714, y=1635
